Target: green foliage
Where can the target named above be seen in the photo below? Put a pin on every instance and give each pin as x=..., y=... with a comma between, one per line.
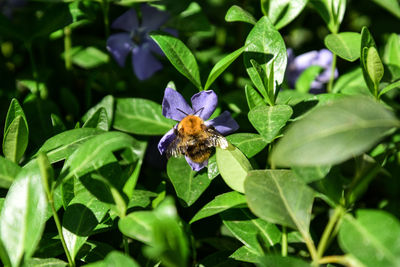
x=345, y=44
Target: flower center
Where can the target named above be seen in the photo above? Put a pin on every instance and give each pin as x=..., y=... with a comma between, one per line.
x=138, y=36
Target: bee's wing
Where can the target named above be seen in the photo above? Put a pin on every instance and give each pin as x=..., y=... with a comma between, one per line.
x=216, y=139
x=175, y=149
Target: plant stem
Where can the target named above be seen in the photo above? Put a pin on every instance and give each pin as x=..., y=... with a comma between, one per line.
x=105, y=6
x=284, y=241
x=67, y=47
x=341, y=259
x=332, y=78
x=126, y=244
x=59, y=229
x=310, y=246
x=337, y=214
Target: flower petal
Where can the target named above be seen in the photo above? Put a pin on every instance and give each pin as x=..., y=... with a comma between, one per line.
x=144, y=63
x=174, y=105
x=324, y=58
x=305, y=60
x=204, y=103
x=195, y=165
x=152, y=18
x=166, y=140
x=119, y=45
x=224, y=123
x=127, y=21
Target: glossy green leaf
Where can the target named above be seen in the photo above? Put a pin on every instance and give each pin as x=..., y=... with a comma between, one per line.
x=212, y=168
x=22, y=218
x=268, y=121
x=82, y=215
x=374, y=66
x=107, y=103
x=278, y=261
x=249, y=143
x=14, y=110
x=260, y=79
x=264, y=44
x=283, y=12
x=93, y=251
x=273, y=195
x=236, y=13
x=367, y=41
x=188, y=184
x=245, y=254
x=233, y=167
x=140, y=116
x=88, y=57
x=38, y=262
x=92, y=155
x=303, y=83
x=253, y=97
x=219, y=204
x=141, y=198
x=180, y=56
x=221, y=66
x=61, y=146
x=253, y=232
x=333, y=133
x=8, y=172
x=345, y=44
x=331, y=11
x=390, y=87
x=15, y=139
x=351, y=83
x=115, y=258
x=311, y=174
x=138, y=225
x=98, y=120
x=392, y=6
x=391, y=54
x=46, y=173
x=373, y=237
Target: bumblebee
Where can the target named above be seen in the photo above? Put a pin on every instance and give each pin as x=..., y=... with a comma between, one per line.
x=195, y=140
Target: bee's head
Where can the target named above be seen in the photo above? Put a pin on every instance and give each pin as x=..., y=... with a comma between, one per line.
x=191, y=125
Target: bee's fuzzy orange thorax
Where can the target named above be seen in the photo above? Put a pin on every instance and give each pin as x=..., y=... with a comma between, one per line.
x=191, y=125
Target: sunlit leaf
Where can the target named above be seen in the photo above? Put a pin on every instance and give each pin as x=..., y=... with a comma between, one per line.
x=236, y=13
x=345, y=44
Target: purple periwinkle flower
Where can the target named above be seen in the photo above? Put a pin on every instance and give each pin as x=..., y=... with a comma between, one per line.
x=296, y=65
x=204, y=104
x=136, y=39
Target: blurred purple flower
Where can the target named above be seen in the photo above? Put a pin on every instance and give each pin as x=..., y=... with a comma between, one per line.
x=296, y=65
x=204, y=104
x=7, y=6
x=136, y=39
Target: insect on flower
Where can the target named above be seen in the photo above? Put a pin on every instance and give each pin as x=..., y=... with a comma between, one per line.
x=194, y=136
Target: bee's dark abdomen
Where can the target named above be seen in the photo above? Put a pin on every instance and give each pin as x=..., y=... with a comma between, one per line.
x=199, y=152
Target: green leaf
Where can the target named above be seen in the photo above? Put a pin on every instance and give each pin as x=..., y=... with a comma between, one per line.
x=374, y=66
x=62, y=145
x=233, y=167
x=98, y=120
x=392, y=6
x=38, y=262
x=93, y=251
x=351, y=83
x=115, y=258
x=253, y=97
x=274, y=195
x=249, y=143
x=283, y=12
x=311, y=174
x=8, y=172
x=331, y=11
x=107, y=103
x=389, y=87
x=180, y=56
x=245, y=254
x=303, y=83
x=236, y=13
x=391, y=54
x=15, y=139
x=140, y=116
x=345, y=44
x=22, y=218
x=93, y=154
x=188, y=184
x=333, y=133
x=46, y=173
x=367, y=41
x=219, y=204
x=265, y=45
x=88, y=57
x=82, y=215
x=14, y=110
x=250, y=230
x=373, y=238
x=269, y=120
x=278, y=261
x=221, y=66
x=138, y=225
x=260, y=79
